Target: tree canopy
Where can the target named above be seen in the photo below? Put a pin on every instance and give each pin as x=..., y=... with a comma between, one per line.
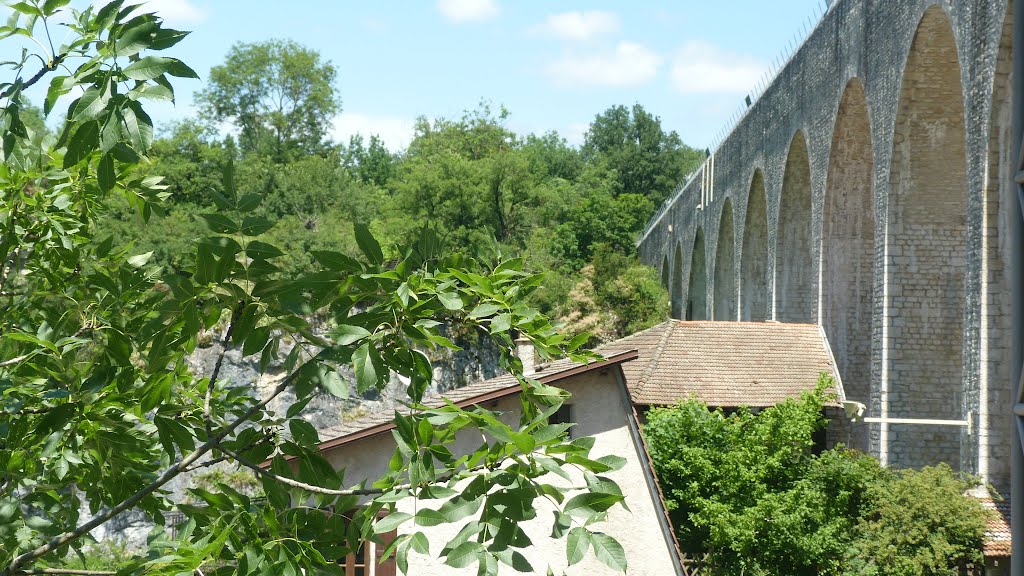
x=748, y=489
x=101, y=409
x=277, y=93
x=647, y=160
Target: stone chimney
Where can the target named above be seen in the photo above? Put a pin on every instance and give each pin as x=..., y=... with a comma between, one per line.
x=527, y=355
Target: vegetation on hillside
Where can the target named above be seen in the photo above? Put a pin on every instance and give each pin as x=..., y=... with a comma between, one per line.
x=747, y=488
x=481, y=186
x=101, y=409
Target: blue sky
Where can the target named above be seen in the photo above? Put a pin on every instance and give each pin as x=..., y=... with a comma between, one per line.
x=553, y=64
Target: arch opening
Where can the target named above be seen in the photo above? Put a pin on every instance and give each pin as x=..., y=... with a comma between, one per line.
x=665, y=273
x=795, y=293
x=926, y=250
x=754, y=254
x=724, y=304
x=848, y=246
x=677, y=294
x=697, y=299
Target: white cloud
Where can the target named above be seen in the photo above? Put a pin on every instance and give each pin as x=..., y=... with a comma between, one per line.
x=580, y=26
x=460, y=11
x=576, y=133
x=702, y=68
x=178, y=11
x=394, y=131
x=630, y=64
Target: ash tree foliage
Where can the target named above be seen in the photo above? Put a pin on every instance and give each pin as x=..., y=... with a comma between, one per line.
x=101, y=410
x=747, y=489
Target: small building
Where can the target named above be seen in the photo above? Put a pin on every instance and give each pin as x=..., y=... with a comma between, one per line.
x=725, y=364
x=600, y=407
x=732, y=364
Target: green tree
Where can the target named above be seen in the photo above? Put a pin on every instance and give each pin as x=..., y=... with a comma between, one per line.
x=371, y=163
x=279, y=95
x=647, y=160
x=919, y=523
x=748, y=489
x=101, y=407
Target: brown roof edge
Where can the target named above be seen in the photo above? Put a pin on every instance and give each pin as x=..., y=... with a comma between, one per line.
x=835, y=367
x=612, y=360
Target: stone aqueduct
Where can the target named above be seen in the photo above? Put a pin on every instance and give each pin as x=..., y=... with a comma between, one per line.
x=868, y=190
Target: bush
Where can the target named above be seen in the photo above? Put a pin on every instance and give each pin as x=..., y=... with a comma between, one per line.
x=918, y=524
x=746, y=489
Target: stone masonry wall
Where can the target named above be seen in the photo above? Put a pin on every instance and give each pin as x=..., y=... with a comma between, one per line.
x=933, y=341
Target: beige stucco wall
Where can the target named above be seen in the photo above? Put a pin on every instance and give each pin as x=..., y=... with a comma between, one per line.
x=600, y=411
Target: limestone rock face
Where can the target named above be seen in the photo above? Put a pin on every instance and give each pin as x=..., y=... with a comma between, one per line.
x=478, y=360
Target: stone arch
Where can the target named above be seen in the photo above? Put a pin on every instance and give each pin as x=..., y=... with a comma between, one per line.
x=678, y=298
x=926, y=250
x=754, y=255
x=697, y=299
x=665, y=274
x=848, y=244
x=795, y=297
x=724, y=304
x=995, y=299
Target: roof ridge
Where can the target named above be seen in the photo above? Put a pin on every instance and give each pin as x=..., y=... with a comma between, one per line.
x=653, y=364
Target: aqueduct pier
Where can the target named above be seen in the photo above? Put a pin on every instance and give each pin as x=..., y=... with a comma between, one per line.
x=870, y=189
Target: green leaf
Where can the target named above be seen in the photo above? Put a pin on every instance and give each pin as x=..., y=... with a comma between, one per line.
x=613, y=462
x=249, y=202
x=419, y=543
x=258, y=250
x=577, y=544
x=501, y=323
x=148, y=67
x=334, y=384
x=368, y=244
x=430, y=517
x=181, y=70
x=450, y=300
x=485, y=309
x=220, y=223
x=105, y=173
x=256, y=225
x=84, y=141
x=137, y=37
x=139, y=260
x=366, y=371
x=336, y=261
x=588, y=504
x=91, y=105
x=304, y=432
x=609, y=551
x=346, y=334
x=459, y=507
x=390, y=522
x=463, y=555
x=152, y=92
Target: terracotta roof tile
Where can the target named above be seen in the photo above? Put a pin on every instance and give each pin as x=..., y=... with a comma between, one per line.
x=467, y=394
x=997, y=531
x=725, y=363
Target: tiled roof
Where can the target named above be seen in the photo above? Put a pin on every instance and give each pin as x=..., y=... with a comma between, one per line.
x=997, y=532
x=755, y=364
x=467, y=395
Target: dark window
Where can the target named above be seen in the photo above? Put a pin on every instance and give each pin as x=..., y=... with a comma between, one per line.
x=562, y=416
